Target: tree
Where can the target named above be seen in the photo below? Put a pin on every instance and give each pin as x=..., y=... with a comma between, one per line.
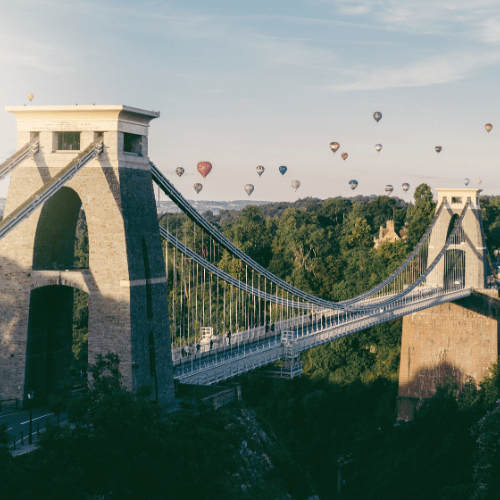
x=360, y=236
x=420, y=216
x=487, y=457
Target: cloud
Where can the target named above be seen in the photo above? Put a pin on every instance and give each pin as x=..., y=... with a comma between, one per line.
x=437, y=17
x=452, y=68
x=23, y=51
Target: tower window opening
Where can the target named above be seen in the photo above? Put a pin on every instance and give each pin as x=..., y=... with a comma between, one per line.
x=68, y=141
x=132, y=144
x=456, y=199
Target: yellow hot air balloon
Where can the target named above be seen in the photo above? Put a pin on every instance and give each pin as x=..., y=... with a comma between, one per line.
x=479, y=180
x=30, y=97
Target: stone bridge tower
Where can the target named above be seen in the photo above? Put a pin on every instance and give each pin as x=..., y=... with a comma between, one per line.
x=125, y=280
x=459, y=338
x=473, y=245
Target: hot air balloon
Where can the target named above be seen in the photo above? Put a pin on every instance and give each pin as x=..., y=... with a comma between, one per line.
x=179, y=171
x=378, y=147
x=488, y=127
x=260, y=170
x=377, y=115
x=466, y=181
x=344, y=156
x=438, y=149
x=30, y=97
x=334, y=146
x=353, y=183
x=389, y=189
x=282, y=170
x=204, y=167
x=373, y=197
x=479, y=180
x=295, y=185
x=198, y=187
x=406, y=186
x=249, y=189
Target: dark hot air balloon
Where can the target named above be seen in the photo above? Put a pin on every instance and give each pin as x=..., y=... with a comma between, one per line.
x=344, y=156
x=179, y=171
x=198, y=187
x=438, y=149
x=260, y=170
x=377, y=115
x=249, y=189
x=282, y=170
x=334, y=146
x=353, y=184
x=389, y=189
x=466, y=181
x=204, y=167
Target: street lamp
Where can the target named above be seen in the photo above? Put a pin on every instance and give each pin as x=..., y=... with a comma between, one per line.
x=31, y=396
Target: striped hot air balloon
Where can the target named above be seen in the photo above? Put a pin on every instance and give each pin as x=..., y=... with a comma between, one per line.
x=406, y=186
x=334, y=146
x=344, y=156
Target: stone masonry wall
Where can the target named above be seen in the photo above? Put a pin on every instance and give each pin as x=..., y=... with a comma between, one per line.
x=459, y=338
x=117, y=195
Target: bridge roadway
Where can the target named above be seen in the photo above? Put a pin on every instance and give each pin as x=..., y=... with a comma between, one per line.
x=249, y=351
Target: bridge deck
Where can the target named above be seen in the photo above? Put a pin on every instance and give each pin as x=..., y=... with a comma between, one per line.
x=220, y=364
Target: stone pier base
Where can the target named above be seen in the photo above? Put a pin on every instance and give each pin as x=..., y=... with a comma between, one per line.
x=459, y=338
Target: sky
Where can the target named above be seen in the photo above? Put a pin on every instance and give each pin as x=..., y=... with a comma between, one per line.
x=272, y=83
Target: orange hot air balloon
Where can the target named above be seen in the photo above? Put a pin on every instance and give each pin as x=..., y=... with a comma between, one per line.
x=204, y=167
x=344, y=156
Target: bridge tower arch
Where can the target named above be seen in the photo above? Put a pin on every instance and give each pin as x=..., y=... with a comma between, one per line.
x=127, y=302
x=473, y=244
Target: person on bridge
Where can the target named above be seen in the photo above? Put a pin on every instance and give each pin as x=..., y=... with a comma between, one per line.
x=229, y=337
x=211, y=344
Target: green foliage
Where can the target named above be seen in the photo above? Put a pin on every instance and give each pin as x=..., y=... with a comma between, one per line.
x=122, y=446
x=420, y=216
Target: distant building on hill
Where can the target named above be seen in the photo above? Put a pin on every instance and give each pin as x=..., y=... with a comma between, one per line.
x=389, y=233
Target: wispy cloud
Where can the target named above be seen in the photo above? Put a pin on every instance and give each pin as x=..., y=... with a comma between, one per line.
x=478, y=18
x=430, y=72
x=22, y=51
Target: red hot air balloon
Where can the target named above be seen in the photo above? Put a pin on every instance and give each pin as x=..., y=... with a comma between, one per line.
x=204, y=167
x=344, y=156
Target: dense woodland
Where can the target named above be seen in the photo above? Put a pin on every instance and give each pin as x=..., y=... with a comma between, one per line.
x=344, y=405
